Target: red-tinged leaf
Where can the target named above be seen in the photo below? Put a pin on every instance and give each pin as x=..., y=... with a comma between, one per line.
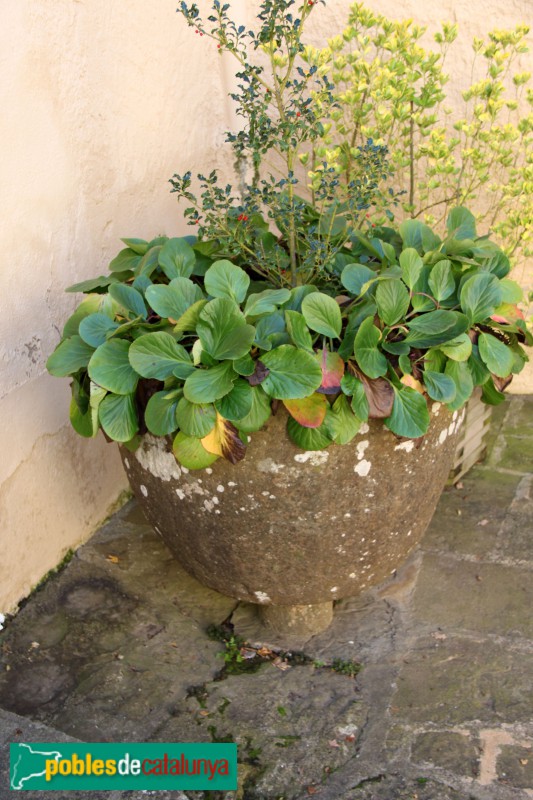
x=507, y=313
x=310, y=412
x=259, y=375
x=224, y=441
x=379, y=393
x=332, y=371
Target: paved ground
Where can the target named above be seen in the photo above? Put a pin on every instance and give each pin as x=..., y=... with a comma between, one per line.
x=116, y=647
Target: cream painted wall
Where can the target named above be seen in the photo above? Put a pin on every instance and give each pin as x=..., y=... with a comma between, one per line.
x=102, y=102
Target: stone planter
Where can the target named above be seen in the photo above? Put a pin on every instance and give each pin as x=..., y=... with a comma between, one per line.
x=286, y=528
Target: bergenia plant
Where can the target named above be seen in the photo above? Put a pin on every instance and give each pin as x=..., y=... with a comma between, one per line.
x=286, y=296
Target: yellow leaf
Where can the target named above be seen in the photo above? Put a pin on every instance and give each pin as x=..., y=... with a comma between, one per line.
x=113, y=559
x=224, y=441
x=408, y=380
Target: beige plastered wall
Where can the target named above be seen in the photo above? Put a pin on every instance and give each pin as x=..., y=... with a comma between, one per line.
x=101, y=103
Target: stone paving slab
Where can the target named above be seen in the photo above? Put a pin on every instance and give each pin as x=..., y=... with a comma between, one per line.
x=117, y=647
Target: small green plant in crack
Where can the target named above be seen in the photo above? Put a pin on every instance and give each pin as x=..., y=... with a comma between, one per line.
x=349, y=668
x=216, y=739
x=200, y=693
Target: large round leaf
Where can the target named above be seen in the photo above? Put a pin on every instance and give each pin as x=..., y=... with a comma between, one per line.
x=496, y=355
x=308, y=438
x=292, y=373
x=354, y=277
x=266, y=302
x=223, y=331
x=410, y=415
x=110, y=367
x=191, y=453
x=208, y=385
x=118, y=417
x=260, y=412
x=480, y=296
x=177, y=258
x=341, y=422
x=195, y=419
x=224, y=279
x=322, y=314
x=459, y=371
x=392, y=299
x=95, y=327
x=173, y=300
x=439, y=387
x=129, y=299
x=367, y=354
x=69, y=356
x=160, y=413
x=238, y=403
x=435, y=328
x=158, y=355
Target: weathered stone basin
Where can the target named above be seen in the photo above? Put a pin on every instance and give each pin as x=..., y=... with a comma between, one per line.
x=287, y=527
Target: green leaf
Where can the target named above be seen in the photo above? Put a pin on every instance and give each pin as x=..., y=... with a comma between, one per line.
x=270, y=331
x=369, y=358
x=298, y=330
x=360, y=404
x=139, y=246
x=436, y=328
x=195, y=419
x=461, y=223
x=439, y=387
x=118, y=417
x=462, y=377
x=177, y=258
x=411, y=265
x=157, y=355
x=160, y=413
x=95, y=327
x=297, y=297
x=127, y=259
x=480, y=373
x=91, y=305
x=392, y=299
x=92, y=284
x=458, y=349
x=110, y=367
x=441, y=280
x=149, y=262
x=480, y=296
x=129, y=299
x=410, y=415
x=292, y=374
x=260, y=412
x=189, y=320
x=245, y=365
x=491, y=395
x=190, y=452
x=208, y=385
x=223, y=331
x=511, y=292
x=265, y=302
x=141, y=283
x=412, y=233
x=173, y=300
x=69, y=356
x=322, y=314
x=354, y=277
x=308, y=438
x=496, y=355
x=341, y=423
x=238, y=403
x=224, y=279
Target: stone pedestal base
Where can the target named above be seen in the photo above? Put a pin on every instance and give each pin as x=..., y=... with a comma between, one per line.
x=298, y=621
